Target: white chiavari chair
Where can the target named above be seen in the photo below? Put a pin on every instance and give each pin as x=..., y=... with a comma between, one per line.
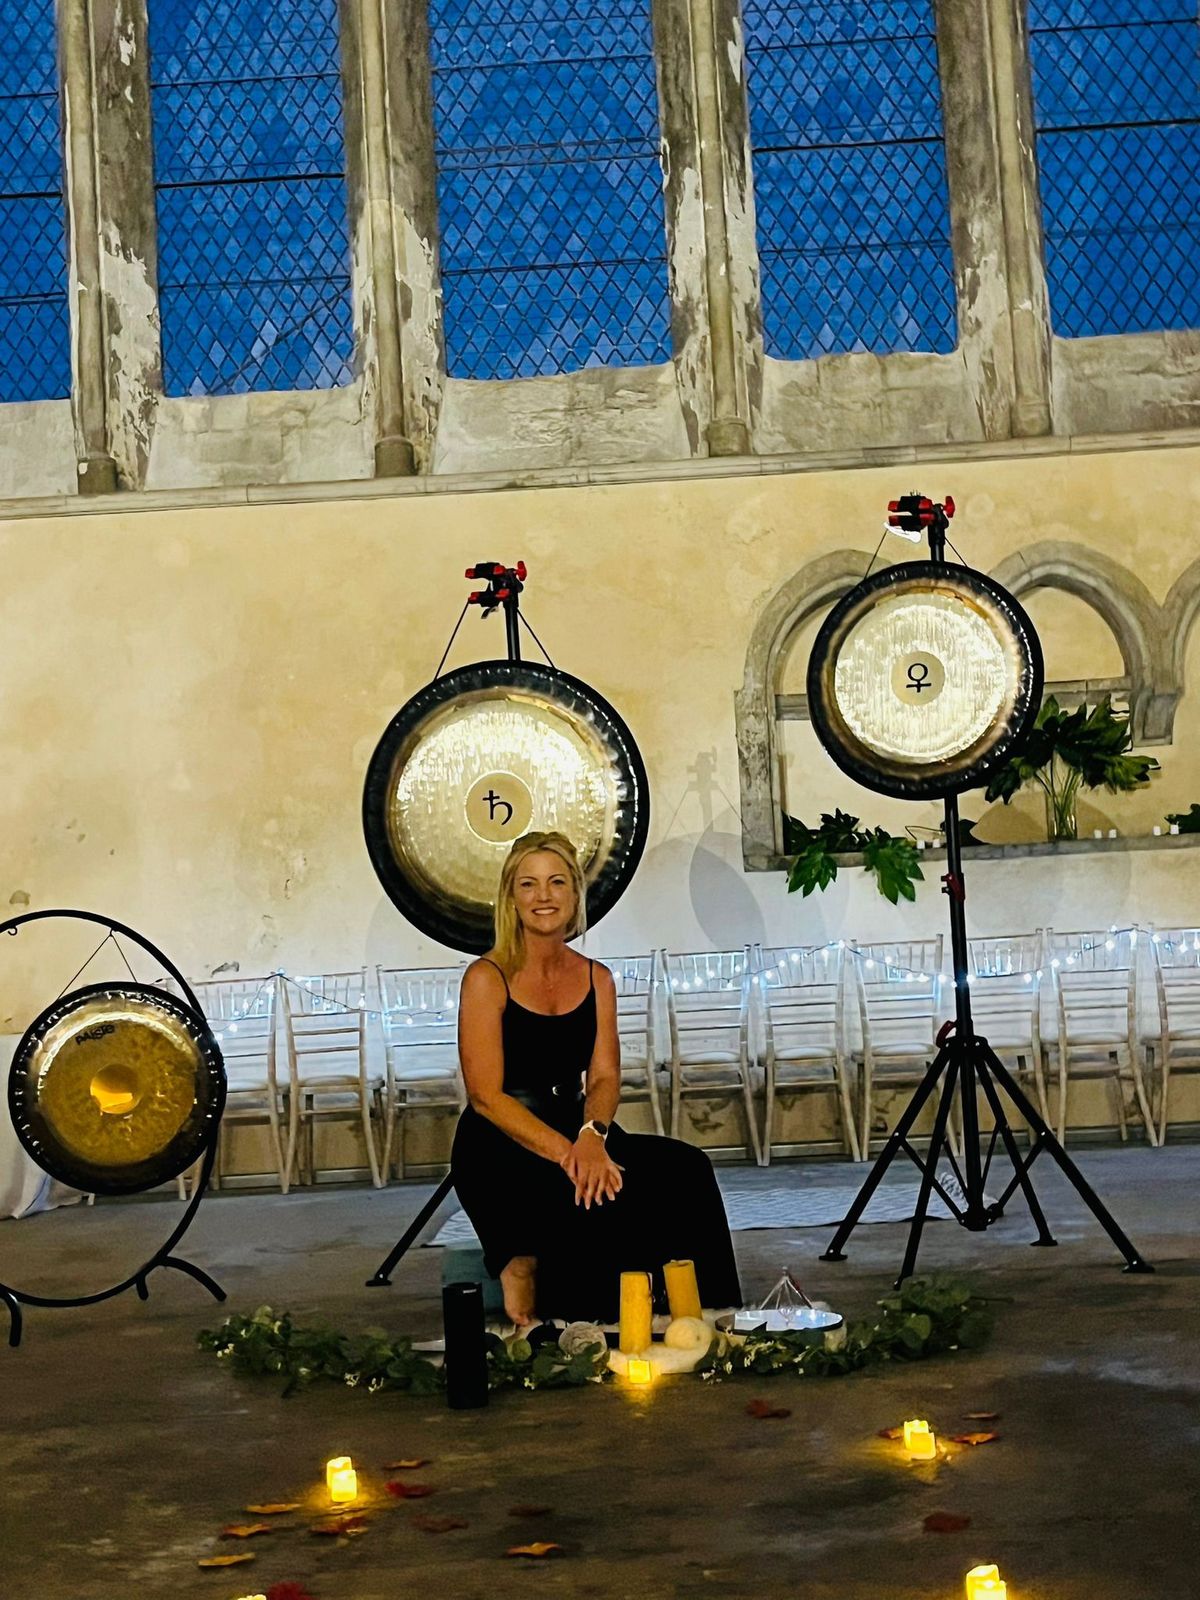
x=1094, y=974
x=708, y=1031
x=420, y=1040
x=802, y=1001
x=899, y=991
x=637, y=981
x=1176, y=1043
x=325, y=1032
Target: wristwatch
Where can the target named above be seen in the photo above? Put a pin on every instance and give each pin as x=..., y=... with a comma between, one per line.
x=596, y=1126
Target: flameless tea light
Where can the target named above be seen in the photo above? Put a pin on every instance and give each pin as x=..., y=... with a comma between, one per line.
x=919, y=1440
x=341, y=1480
x=985, y=1583
x=639, y=1371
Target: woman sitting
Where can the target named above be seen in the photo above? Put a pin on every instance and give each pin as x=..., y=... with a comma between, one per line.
x=562, y=1199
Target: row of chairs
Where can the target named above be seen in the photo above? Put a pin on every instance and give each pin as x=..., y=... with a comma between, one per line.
x=761, y=1025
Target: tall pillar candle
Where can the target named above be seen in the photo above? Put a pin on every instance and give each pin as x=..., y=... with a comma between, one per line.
x=683, y=1294
x=635, y=1313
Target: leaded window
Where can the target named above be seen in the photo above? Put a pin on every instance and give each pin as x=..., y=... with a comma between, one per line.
x=254, y=268
x=34, y=325
x=1117, y=91
x=849, y=177
x=553, y=249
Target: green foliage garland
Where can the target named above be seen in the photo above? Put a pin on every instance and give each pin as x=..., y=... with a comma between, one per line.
x=813, y=851
x=927, y=1317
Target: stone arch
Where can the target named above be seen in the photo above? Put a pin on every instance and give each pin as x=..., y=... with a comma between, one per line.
x=1137, y=621
x=815, y=586
x=1180, y=611
x=1151, y=639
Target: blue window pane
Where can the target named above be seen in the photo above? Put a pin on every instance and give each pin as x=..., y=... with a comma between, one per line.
x=553, y=249
x=35, y=334
x=849, y=177
x=254, y=258
x=1116, y=91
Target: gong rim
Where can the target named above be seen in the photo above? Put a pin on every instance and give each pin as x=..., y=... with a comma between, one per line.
x=968, y=768
x=42, y=1141
x=470, y=928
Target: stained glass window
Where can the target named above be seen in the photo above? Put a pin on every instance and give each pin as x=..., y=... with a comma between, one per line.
x=254, y=257
x=849, y=176
x=1117, y=97
x=553, y=251
x=34, y=330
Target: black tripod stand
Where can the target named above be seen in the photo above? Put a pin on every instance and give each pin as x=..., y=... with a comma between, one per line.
x=966, y=1062
x=503, y=591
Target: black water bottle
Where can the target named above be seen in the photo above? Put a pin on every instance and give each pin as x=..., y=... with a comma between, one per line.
x=466, y=1352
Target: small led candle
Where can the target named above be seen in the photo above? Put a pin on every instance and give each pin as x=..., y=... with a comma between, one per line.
x=638, y=1371
x=635, y=1313
x=341, y=1480
x=682, y=1291
x=919, y=1440
x=985, y=1583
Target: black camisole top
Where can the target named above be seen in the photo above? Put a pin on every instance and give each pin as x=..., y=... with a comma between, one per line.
x=546, y=1057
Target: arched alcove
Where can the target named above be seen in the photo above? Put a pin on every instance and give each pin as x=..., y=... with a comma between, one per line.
x=1123, y=643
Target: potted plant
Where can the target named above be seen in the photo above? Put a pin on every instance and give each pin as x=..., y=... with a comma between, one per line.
x=812, y=855
x=1069, y=750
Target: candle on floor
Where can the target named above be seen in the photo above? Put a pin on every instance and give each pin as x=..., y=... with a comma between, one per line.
x=638, y=1371
x=683, y=1294
x=634, y=1334
x=985, y=1583
x=920, y=1440
x=341, y=1480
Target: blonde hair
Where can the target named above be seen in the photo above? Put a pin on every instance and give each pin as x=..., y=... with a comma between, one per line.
x=509, y=949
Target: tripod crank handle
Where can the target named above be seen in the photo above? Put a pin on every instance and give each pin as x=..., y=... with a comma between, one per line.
x=944, y=1032
x=953, y=885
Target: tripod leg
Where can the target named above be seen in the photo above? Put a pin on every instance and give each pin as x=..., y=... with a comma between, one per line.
x=1134, y=1262
x=1020, y=1167
x=937, y=1140
x=380, y=1279
x=887, y=1155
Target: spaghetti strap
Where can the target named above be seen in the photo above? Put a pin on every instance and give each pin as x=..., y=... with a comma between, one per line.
x=591, y=974
x=500, y=970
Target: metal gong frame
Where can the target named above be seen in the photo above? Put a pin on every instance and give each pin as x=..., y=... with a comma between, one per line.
x=14, y=1298
x=965, y=1062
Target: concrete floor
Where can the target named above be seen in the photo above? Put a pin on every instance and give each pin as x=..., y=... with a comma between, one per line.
x=125, y=1450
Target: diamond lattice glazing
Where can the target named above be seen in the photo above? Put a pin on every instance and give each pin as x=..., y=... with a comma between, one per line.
x=553, y=251
x=849, y=177
x=1116, y=93
x=34, y=330
x=254, y=268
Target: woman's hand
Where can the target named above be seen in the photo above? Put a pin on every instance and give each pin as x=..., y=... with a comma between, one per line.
x=591, y=1169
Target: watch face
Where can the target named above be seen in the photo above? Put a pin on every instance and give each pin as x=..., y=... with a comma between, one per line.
x=601, y=1128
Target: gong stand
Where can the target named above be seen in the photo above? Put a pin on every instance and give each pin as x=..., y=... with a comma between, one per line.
x=504, y=589
x=12, y=1298
x=966, y=1062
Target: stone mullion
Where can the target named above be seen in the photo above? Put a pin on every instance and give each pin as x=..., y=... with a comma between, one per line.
x=995, y=215
x=392, y=190
x=89, y=406
x=128, y=230
x=708, y=344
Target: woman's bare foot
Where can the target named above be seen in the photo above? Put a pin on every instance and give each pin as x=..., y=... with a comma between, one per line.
x=519, y=1282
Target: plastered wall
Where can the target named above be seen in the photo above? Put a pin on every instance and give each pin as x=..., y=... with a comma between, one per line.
x=190, y=698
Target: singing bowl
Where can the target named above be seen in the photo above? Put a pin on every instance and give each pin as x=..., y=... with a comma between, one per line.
x=923, y=679
x=476, y=759
x=116, y=1087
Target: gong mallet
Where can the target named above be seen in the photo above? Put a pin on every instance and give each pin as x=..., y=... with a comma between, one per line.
x=943, y=628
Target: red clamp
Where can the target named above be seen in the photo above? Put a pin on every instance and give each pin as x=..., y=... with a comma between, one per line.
x=953, y=885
